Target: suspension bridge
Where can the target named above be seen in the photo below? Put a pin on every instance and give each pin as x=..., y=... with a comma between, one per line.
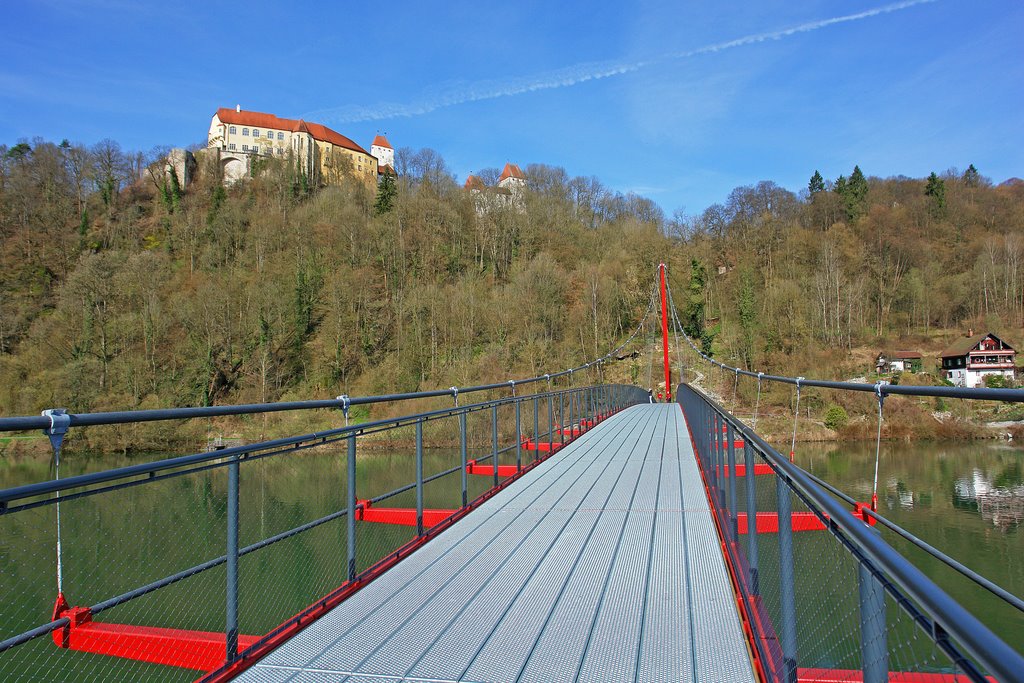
x=542, y=529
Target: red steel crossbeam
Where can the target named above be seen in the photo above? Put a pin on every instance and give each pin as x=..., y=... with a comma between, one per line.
x=768, y=522
x=472, y=467
x=542, y=446
x=198, y=650
x=855, y=676
x=366, y=512
x=760, y=468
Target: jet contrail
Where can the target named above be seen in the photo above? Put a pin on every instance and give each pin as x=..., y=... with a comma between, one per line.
x=571, y=75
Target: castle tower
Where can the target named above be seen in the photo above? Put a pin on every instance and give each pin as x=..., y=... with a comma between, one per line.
x=381, y=150
x=513, y=178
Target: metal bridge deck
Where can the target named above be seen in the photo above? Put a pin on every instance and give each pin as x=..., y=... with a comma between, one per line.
x=601, y=564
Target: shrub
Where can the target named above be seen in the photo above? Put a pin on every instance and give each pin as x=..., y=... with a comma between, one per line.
x=836, y=417
x=997, y=382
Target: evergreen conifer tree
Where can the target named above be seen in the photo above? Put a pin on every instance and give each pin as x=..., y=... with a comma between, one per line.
x=386, y=194
x=857, y=195
x=971, y=177
x=935, y=188
x=817, y=184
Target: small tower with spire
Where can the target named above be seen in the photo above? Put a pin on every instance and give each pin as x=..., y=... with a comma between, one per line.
x=382, y=151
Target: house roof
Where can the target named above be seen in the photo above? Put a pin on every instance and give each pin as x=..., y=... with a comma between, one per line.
x=511, y=171
x=385, y=170
x=474, y=183
x=964, y=345
x=381, y=141
x=901, y=355
x=260, y=120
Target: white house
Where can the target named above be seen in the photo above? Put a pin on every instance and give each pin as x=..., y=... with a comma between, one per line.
x=970, y=359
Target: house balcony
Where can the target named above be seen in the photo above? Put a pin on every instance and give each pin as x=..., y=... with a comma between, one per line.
x=1005, y=365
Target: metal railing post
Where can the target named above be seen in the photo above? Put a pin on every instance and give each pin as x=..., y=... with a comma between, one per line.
x=494, y=441
x=709, y=443
x=231, y=616
x=709, y=425
x=733, y=519
x=536, y=427
x=715, y=446
x=419, y=477
x=752, y=559
x=463, y=456
x=786, y=587
x=561, y=418
x=874, y=646
x=519, y=439
x=722, y=456
x=351, y=495
x=551, y=424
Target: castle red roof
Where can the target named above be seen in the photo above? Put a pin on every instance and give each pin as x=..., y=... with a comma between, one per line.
x=381, y=141
x=260, y=120
x=512, y=171
x=474, y=183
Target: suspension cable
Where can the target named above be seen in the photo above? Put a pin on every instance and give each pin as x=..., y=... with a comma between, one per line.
x=757, y=403
x=796, y=418
x=735, y=388
x=878, y=447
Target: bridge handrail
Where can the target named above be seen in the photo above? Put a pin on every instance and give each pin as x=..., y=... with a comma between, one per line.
x=62, y=486
x=979, y=393
x=1002, y=661
x=158, y=414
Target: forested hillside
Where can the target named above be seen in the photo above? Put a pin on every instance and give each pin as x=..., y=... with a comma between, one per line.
x=860, y=261
x=122, y=290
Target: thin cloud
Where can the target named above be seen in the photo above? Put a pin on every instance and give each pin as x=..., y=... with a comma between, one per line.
x=572, y=75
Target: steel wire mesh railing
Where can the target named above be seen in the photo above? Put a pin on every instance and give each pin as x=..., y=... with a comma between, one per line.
x=825, y=598
x=198, y=563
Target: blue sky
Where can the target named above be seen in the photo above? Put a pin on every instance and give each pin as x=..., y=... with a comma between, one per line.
x=676, y=101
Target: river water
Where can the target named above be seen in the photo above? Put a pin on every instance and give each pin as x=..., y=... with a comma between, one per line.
x=966, y=499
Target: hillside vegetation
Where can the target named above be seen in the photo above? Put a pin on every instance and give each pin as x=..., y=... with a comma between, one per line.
x=122, y=290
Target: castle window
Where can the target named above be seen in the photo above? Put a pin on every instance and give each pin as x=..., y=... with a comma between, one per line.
x=232, y=130
x=280, y=136
x=245, y=148
x=245, y=131
x=255, y=132
x=270, y=135
x=256, y=149
x=231, y=145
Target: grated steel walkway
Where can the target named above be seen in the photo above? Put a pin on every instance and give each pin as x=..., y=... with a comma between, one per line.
x=601, y=564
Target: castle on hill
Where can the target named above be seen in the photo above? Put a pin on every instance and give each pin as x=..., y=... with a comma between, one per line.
x=239, y=137
x=507, y=193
